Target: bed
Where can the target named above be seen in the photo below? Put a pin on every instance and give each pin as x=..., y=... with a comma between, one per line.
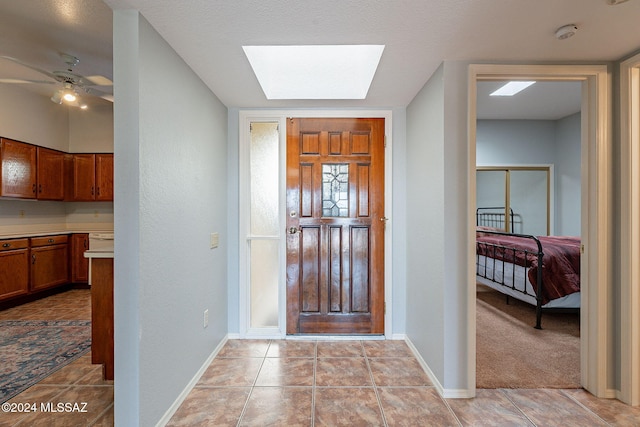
x=543, y=271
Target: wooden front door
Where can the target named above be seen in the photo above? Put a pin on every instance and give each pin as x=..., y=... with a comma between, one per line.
x=335, y=226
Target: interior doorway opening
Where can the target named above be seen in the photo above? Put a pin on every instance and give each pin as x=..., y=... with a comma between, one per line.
x=520, y=153
x=596, y=157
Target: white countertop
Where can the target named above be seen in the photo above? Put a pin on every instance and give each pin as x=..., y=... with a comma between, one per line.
x=98, y=254
x=24, y=235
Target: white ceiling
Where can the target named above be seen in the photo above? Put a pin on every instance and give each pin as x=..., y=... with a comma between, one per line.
x=418, y=34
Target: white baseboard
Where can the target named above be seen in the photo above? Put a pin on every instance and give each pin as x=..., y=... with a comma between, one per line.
x=445, y=393
x=185, y=392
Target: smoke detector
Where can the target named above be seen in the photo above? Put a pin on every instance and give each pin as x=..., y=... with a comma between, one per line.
x=566, y=31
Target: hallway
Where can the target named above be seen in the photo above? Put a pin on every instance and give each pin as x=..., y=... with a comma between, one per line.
x=366, y=383
x=307, y=383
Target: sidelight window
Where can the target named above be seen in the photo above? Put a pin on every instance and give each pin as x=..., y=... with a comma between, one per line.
x=263, y=236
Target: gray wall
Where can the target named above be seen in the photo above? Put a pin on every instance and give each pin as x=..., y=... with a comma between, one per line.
x=170, y=192
x=568, y=176
x=535, y=142
x=437, y=216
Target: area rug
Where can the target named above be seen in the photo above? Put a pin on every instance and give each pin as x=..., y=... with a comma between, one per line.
x=511, y=353
x=31, y=350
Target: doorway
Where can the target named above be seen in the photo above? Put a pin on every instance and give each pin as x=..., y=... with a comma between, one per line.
x=595, y=201
x=277, y=241
x=335, y=226
x=520, y=152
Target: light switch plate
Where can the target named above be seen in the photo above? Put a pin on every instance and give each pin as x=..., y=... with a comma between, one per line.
x=215, y=239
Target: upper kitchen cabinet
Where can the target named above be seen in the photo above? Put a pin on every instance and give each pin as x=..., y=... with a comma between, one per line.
x=104, y=177
x=50, y=174
x=30, y=172
x=18, y=178
x=92, y=177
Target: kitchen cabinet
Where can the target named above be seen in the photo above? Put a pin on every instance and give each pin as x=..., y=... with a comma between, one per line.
x=18, y=177
x=50, y=174
x=14, y=268
x=79, y=264
x=104, y=177
x=102, y=313
x=49, y=261
x=92, y=177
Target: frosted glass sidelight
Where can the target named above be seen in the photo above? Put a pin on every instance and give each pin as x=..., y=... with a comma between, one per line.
x=264, y=283
x=264, y=178
x=335, y=190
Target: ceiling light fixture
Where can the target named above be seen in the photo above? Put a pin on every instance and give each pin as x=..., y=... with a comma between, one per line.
x=566, y=31
x=68, y=96
x=69, y=93
x=57, y=97
x=314, y=71
x=511, y=88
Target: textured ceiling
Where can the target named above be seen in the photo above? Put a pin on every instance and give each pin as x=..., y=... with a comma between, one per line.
x=418, y=34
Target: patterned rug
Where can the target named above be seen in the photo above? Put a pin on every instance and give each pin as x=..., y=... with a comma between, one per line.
x=31, y=350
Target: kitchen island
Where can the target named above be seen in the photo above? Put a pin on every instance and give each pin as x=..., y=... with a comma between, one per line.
x=102, y=309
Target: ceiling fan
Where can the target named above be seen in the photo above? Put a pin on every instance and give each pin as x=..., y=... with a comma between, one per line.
x=72, y=84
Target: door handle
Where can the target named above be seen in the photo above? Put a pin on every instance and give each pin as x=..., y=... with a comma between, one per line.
x=294, y=230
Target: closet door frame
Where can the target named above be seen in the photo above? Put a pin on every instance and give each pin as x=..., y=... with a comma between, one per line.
x=507, y=191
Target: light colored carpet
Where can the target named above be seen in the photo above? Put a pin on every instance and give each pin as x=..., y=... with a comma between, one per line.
x=511, y=353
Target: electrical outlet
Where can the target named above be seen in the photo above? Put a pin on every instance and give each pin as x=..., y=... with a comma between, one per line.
x=96, y=214
x=205, y=322
x=215, y=240
x=21, y=213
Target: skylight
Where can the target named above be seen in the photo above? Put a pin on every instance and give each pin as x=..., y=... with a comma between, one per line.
x=316, y=71
x=511, y=88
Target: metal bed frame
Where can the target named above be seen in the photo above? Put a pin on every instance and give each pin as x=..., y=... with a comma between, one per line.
x=494, y=216
x=491, y=248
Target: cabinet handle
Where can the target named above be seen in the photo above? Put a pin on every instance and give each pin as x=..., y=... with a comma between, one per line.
x=97, y=191
x=33, y=258
x=50, y=240
x=92, y=193
x=6, y=245
x=33, y=188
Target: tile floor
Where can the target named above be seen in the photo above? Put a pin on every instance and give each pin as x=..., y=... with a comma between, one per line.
x=366, y=383
x=77, y=382
x=307, y=383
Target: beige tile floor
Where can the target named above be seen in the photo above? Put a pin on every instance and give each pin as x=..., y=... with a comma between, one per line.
x=366, y=383
x=77, y=382
x=308, y=383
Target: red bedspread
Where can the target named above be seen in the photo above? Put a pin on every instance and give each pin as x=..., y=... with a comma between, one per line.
x=560, y=263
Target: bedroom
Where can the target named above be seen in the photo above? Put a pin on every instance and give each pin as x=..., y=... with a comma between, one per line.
x=528, y=158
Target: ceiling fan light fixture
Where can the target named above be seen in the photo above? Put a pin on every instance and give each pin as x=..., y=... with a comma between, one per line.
x=57, y=97
x=69, y=97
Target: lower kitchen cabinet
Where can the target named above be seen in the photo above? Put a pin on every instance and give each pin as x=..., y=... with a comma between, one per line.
x=79, y=264
x=49, y=261
x=14, y=268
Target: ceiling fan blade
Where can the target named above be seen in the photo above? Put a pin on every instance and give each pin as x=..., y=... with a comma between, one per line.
x=99, y=80
x=24, y=64
x=21, y=81
x=100, y=94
